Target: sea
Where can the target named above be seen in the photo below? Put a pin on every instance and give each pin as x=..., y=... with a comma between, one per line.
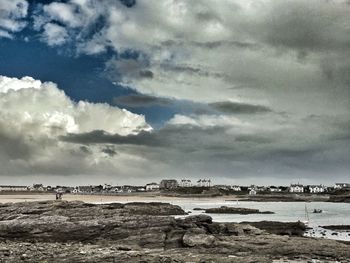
x=332, y=214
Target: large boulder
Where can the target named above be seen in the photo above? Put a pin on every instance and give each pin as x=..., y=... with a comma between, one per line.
x=197, y=237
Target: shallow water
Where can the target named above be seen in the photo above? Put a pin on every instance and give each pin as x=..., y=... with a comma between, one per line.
x=333, y=214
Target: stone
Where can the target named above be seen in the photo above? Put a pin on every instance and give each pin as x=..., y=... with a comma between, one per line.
x=60, y=231
x=235, y=210
x=193, y=239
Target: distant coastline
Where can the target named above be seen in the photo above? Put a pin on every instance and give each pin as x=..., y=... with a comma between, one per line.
x=16, y=196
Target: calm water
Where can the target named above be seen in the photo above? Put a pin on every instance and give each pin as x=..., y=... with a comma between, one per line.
x=333, y=214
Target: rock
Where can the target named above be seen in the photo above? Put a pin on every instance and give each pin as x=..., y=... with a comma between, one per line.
x=242, y=229
x=79, y=232
x=337, y=227
x=153, y=208
x=340, y=198
x=199, y=238
x=198, y=219
x=235, y=210
x=280, y=228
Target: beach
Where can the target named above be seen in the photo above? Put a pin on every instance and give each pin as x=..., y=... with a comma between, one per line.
x=145, y=197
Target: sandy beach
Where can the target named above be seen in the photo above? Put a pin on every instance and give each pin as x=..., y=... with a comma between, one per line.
x=144, y=197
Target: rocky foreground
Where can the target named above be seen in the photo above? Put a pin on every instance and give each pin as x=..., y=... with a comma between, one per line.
x=138, y=232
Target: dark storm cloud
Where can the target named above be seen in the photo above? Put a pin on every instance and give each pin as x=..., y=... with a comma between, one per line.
x=212, y=44
x=216, y=150
x=291, y=55
x=128, y=67
x=191, y=70
x=307, y=25
x=140, y=100
x=128, y=3
x=109, y=150
x=171, y=135
x=239, y=108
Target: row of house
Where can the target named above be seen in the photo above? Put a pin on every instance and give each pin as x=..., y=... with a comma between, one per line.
x=168, y=184
x=172, y=183
x=23, y=188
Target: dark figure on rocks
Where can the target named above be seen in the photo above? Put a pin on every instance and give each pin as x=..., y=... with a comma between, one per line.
x=59, y=196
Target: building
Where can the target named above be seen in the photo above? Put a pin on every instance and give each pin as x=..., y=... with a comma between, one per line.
x=37, y=187
x=315, y=189
x=236, y=188
x=168, y=184
x=13, y=188
x=260, y=188
x=341, y=185
x=296, y=188
x=185, y=183
x=252, y=192
x=222, y=187
x=152, y=187
x=84, y=189
x=275, y=189
x=204, y=183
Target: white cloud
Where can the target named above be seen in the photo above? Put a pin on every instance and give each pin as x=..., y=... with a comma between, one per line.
x=12, y=13
x=54, y=34
x=249, y=51
x=34, y=114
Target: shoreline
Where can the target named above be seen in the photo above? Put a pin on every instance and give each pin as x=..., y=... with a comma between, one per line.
x=156, y=196
x=57, y=231
x=15, y=198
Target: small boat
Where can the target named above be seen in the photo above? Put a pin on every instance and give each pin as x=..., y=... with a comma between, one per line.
x=307, y=219
x=317, y=211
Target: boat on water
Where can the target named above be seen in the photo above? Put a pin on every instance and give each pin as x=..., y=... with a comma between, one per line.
x=317, y=211
x=307, y=219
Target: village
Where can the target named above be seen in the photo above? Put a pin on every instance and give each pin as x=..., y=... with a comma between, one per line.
x=173, y=185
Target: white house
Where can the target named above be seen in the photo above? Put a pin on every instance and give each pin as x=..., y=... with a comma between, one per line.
x=316, y=189
x=204, y=183
x=37, y=187
x=341, y=185
x=185, y=183
x=15, y=188
x=252, y=192
x=152, y=187
x=296, y=188
x=275, y=189
x=236, y=188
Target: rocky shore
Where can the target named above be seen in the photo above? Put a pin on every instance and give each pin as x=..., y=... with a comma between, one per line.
x=63, y=231
x=235, y=210
x=340, y=198
x=337, y=227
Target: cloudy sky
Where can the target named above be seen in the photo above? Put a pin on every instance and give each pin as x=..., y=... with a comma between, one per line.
x=132, y=91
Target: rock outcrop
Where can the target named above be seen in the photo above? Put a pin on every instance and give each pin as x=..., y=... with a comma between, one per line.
x=235, y=210
x=340, y=198
x=337, y=227
x=281, y=228
x=144, y=232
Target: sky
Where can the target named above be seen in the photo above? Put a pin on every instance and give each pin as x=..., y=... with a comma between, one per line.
x=134, y=91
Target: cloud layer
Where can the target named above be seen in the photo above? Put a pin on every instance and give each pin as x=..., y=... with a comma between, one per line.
x=267, y=83
x=12, y=13
x=247, y=51
x=33, y=116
